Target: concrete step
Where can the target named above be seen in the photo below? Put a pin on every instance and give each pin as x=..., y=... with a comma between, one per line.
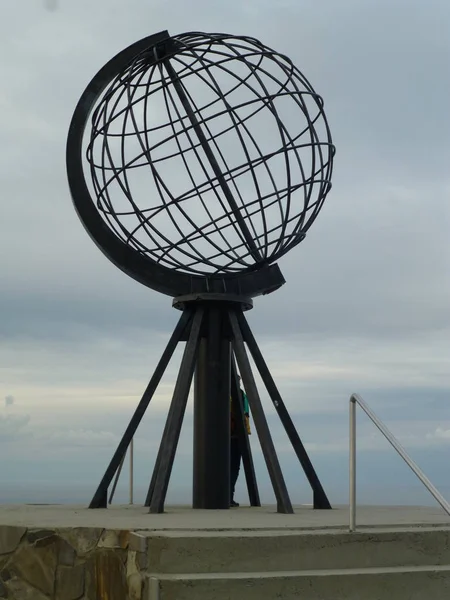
x=175, y=552
x=397, y=583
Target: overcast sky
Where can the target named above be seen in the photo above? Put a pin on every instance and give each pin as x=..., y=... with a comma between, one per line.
x=366, y=303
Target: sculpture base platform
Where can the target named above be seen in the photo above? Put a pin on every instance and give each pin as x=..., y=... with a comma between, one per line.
x=58, y=552
x=136, y=517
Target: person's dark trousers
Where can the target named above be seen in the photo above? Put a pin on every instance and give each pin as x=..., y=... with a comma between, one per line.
x=235, y=463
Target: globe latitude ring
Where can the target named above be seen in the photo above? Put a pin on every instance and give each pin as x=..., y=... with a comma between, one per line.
x=245, y=265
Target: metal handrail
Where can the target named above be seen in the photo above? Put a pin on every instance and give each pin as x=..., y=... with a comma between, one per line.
x=131, y=470
x=119, y=471
x=354, y=400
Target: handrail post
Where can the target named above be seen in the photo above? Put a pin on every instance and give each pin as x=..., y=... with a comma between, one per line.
x=131, y=469
x=352, y=465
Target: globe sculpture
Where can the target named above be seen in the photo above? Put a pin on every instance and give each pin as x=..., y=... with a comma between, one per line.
x=195, y=162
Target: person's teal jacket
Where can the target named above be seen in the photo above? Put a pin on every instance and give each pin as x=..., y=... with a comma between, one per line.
x=245, y=399
x=246, y=415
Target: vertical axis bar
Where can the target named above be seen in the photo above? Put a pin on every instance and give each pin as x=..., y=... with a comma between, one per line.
x=352, y=466
x=255, y=252
x=273, y=466
x=176, y=414
x=320, y=498
x=131, y=469
x=247, y=459
x=101, y=495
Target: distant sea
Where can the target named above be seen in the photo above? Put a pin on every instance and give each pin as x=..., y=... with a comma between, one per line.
x=42, y=493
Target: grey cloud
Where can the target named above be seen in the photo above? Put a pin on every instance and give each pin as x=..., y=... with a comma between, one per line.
x=13, y=426
x=372, y=274
x=51, y=5
x=85, y=438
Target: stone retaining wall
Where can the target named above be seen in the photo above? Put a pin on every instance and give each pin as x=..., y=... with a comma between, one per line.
x=71, y=564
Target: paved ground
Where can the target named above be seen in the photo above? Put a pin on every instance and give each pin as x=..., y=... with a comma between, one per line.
x=178, y=518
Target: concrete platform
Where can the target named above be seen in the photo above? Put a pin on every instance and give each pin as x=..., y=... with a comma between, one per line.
x=60, y=552
x=137, y=517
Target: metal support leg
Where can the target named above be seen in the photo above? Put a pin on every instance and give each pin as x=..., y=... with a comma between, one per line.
x=273, y=466
x=100, y=497
x=247, y=459
x=319, y=497
x=176, y=415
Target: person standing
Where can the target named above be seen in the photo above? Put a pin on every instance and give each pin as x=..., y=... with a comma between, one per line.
x=235, y=445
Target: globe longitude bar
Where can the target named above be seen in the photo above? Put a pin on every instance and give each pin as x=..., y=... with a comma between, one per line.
x=144, y=155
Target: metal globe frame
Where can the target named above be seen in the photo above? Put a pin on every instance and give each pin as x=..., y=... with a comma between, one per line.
x=212, y=289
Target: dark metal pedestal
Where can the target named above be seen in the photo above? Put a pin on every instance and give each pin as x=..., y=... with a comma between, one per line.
x=216, y=333
x=212, y=393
